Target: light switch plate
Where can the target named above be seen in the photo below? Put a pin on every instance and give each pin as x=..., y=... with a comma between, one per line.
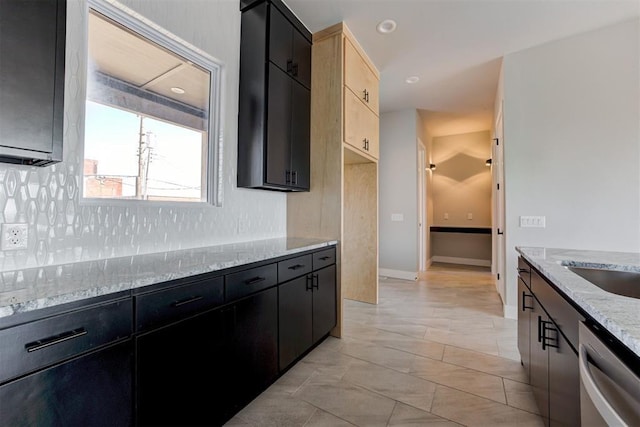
x=397, y=217
x=14, y=236
x=533, y=222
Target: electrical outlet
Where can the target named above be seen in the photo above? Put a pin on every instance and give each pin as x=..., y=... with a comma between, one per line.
x=14, y=236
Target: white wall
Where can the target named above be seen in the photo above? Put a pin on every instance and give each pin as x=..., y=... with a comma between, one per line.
x=398, y=183
x=62, y=228
x=572, y=144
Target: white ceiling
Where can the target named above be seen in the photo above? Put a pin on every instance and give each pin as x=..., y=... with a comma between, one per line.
x=455, y=46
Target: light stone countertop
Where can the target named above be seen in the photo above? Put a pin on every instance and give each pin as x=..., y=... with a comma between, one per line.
x=620, y=315
x=40, y=287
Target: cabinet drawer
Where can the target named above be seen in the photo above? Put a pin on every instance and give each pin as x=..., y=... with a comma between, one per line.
x=360, y=78
x=524, y=272
x=360, y=125
x=41, y=343
x=324, y=258
x=566, y=317
x=249, y=281
x=170, y=305
x=294, y=267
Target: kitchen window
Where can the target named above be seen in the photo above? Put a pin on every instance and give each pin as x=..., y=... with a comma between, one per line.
x=151, y=114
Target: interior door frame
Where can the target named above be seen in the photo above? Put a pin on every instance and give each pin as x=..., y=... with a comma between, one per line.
x=497, y=208
x=422, y=206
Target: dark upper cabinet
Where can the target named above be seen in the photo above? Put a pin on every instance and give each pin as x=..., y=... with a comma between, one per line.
x=274, y=99
x=32, y=50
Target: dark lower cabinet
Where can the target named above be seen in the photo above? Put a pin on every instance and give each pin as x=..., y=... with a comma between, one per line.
x=307, y=311
x=525, y=306
x=181, y=376
x=324, y=302
x=539, y=362
x=295, y=308
x=252, y=328
x=546, y=324
x=91, y=390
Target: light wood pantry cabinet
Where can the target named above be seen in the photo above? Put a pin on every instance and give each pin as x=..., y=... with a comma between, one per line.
x=343, y=200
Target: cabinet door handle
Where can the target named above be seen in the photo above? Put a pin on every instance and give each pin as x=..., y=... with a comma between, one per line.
x=186, y=301
x=324, y=258
x=287, y=178
x=294, y=70
x=366, y=96
x=57, y=339
x=294, y=177
x=549, y=341
x=255, y=280
x=365, y=144
x=296, y=267
x=310, y=283
x=539, y=329
x=315, y=278
x=289, y=66
x=524, y=302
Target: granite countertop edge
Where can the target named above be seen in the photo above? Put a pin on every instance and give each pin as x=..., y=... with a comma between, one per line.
x=28, y=289
x=618, y=314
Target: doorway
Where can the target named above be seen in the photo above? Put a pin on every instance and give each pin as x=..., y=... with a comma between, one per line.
x=422, y=207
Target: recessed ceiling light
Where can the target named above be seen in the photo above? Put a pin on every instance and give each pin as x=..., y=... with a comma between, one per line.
x=413, y=79
x=387, y=26
x=177, y=90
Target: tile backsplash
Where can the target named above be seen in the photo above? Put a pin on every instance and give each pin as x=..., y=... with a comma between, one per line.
x=62, y=228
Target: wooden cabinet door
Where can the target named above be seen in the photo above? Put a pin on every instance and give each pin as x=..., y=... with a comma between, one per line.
x=301, y=59
x=564, y=383
x=181, y=373
x=91, y=390
x=525, y=304
x=294, y=310
x=280, y=39
x=32, y=35
x=278, y=146
x=252, y=324
x=359, y=78
x=360, y=125
x=539, y=372
x=300, y=136
x=324, y=302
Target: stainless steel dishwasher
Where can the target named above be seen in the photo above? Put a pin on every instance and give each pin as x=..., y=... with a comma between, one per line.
x=609, y=390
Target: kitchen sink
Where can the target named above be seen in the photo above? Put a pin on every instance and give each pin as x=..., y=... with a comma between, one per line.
x=625, y=283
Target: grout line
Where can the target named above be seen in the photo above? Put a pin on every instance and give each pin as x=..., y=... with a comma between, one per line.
x=392, y=411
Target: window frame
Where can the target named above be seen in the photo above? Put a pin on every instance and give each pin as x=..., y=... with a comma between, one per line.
x=156, y=34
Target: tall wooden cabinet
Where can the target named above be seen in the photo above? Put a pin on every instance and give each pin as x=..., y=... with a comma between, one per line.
x=343, y=200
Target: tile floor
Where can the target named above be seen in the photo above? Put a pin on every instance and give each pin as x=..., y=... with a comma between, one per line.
x=436, y=352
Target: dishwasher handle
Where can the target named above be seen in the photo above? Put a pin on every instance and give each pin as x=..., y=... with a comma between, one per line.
x=607, y=412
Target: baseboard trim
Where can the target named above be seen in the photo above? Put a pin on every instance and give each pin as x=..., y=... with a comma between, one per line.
x=398, y=274
x=510, y=311
x=465, y=261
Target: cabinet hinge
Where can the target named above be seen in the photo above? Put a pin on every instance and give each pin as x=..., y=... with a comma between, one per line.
x=498, y=276
x=497, y=141
x=498, y=185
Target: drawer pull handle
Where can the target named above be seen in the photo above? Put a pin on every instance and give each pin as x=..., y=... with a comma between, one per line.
x=296, y=267
x=186, y=301
x=255, y=280
x=48, y=342
x=324, y=258
x=523, y=270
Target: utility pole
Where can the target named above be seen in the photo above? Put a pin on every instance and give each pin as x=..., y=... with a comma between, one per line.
x=143, y=162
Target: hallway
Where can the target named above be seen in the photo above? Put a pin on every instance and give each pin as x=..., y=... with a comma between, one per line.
x=436, y=352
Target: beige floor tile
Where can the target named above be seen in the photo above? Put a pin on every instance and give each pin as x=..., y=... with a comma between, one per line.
x=471, y=410
x=276, y=409
x=408, y=416
x=324, y=419
x=520, y=396
x=430, y=349
x=484, y=344
x=460, y=378
x=388, y=357
x=495, y=365
x=348, y=402
x=392, y=384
